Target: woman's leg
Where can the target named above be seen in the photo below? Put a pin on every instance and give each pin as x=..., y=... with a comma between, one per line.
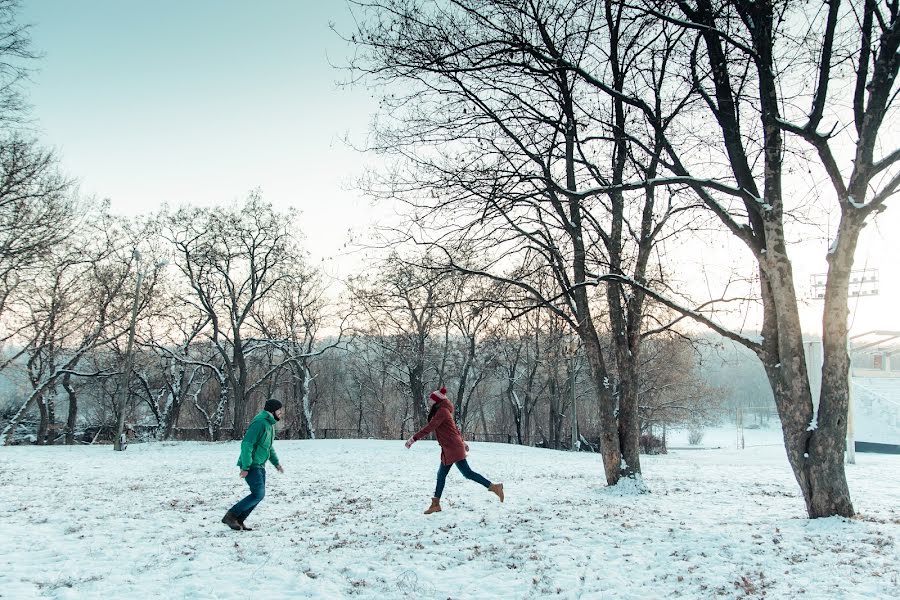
x=468, y=473
x=441, y=478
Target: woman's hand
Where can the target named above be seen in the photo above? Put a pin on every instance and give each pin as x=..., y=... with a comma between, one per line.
x=410, y=442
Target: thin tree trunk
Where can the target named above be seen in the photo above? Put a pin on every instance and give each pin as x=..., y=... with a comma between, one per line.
x=72, y=417
x=43, y=423
x=51, y=416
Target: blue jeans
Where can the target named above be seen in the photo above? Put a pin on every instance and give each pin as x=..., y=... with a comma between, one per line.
x=256, y=479
x=465, y=469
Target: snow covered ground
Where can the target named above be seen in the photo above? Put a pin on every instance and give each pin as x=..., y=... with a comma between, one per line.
x=345, y=521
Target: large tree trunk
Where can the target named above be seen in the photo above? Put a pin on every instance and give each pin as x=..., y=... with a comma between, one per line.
x=814, y=437
x=610, y=449
x=215, y=423
x=51, y=416
x=237, y=379
x=170, y=415
x=302, y=382
x=516, y=406
x=629, y=422
x=829, y=493
x=240, y=416
x=553, y=392
x=43, y=419
x=462, y=406
x=172, y=408
x=417, y=393
x=72, y=417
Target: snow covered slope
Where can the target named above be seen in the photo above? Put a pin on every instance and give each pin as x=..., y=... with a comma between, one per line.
x=345, y=521
x=876, y=404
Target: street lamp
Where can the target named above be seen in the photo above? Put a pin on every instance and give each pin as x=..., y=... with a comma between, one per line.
x=573, y=351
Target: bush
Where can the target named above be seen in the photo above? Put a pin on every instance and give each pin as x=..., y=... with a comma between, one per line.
x=695, y=436
x=650, y=444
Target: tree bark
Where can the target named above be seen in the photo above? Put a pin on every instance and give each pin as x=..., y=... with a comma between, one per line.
x=72, y=417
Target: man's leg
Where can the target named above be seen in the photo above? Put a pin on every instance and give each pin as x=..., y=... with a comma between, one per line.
x=256, y=480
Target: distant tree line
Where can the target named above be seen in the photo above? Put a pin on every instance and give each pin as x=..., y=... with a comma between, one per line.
x=234, y=315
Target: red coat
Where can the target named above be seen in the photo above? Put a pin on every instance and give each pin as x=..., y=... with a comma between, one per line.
x=453, y=449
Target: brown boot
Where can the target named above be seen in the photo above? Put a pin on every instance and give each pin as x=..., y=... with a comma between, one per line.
x=230, y=520
x=497, y=488
x=244, y=526
x=435, y=506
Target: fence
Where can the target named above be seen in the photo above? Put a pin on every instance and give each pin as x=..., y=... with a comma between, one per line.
x=103, y=434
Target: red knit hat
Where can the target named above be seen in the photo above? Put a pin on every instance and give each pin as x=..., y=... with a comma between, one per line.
x=439, y=395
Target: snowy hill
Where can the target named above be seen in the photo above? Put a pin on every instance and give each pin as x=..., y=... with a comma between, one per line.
x=345, y=521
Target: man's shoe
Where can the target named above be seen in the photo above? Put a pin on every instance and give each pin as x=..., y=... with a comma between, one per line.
x=230, y=520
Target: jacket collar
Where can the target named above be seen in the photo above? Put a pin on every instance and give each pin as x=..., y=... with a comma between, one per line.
x=265, y=416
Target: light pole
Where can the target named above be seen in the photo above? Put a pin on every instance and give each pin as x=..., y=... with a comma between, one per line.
x=122, y=401
x=572, y=399
x=851, y=435
x=572, y=346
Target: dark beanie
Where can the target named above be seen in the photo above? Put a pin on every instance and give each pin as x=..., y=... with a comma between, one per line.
x=272, y=406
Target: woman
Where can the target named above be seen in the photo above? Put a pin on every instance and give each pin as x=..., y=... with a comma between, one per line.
x=453, y=449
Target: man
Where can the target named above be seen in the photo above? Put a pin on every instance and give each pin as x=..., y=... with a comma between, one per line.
x=256, y=449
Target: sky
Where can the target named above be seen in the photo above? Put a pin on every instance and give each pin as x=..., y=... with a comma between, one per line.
x=200, y=102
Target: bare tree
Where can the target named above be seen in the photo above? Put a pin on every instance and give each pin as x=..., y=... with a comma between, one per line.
x=291, y=320
x=735, y=57
x=36, y=209
x=172, y=336
x=16, y=56
x=473, y=311
x=673, y=393
x=505, y=148
x=78, y=304
x=403, y=304
x=37, y=212
x=231, y=258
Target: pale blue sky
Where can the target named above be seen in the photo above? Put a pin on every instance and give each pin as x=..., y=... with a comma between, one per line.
x=199, y=101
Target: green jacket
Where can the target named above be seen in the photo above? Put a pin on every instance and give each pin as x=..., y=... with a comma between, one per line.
x=256, y=447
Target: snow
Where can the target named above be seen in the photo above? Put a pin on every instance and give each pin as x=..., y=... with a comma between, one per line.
x=834, y=244
x=876, y=409
x=727, y=437
x=345, y=521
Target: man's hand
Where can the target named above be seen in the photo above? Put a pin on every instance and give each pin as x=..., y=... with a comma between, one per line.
x=280, y=469
x=410, y=442
x=467, y=446
x=244, y=473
